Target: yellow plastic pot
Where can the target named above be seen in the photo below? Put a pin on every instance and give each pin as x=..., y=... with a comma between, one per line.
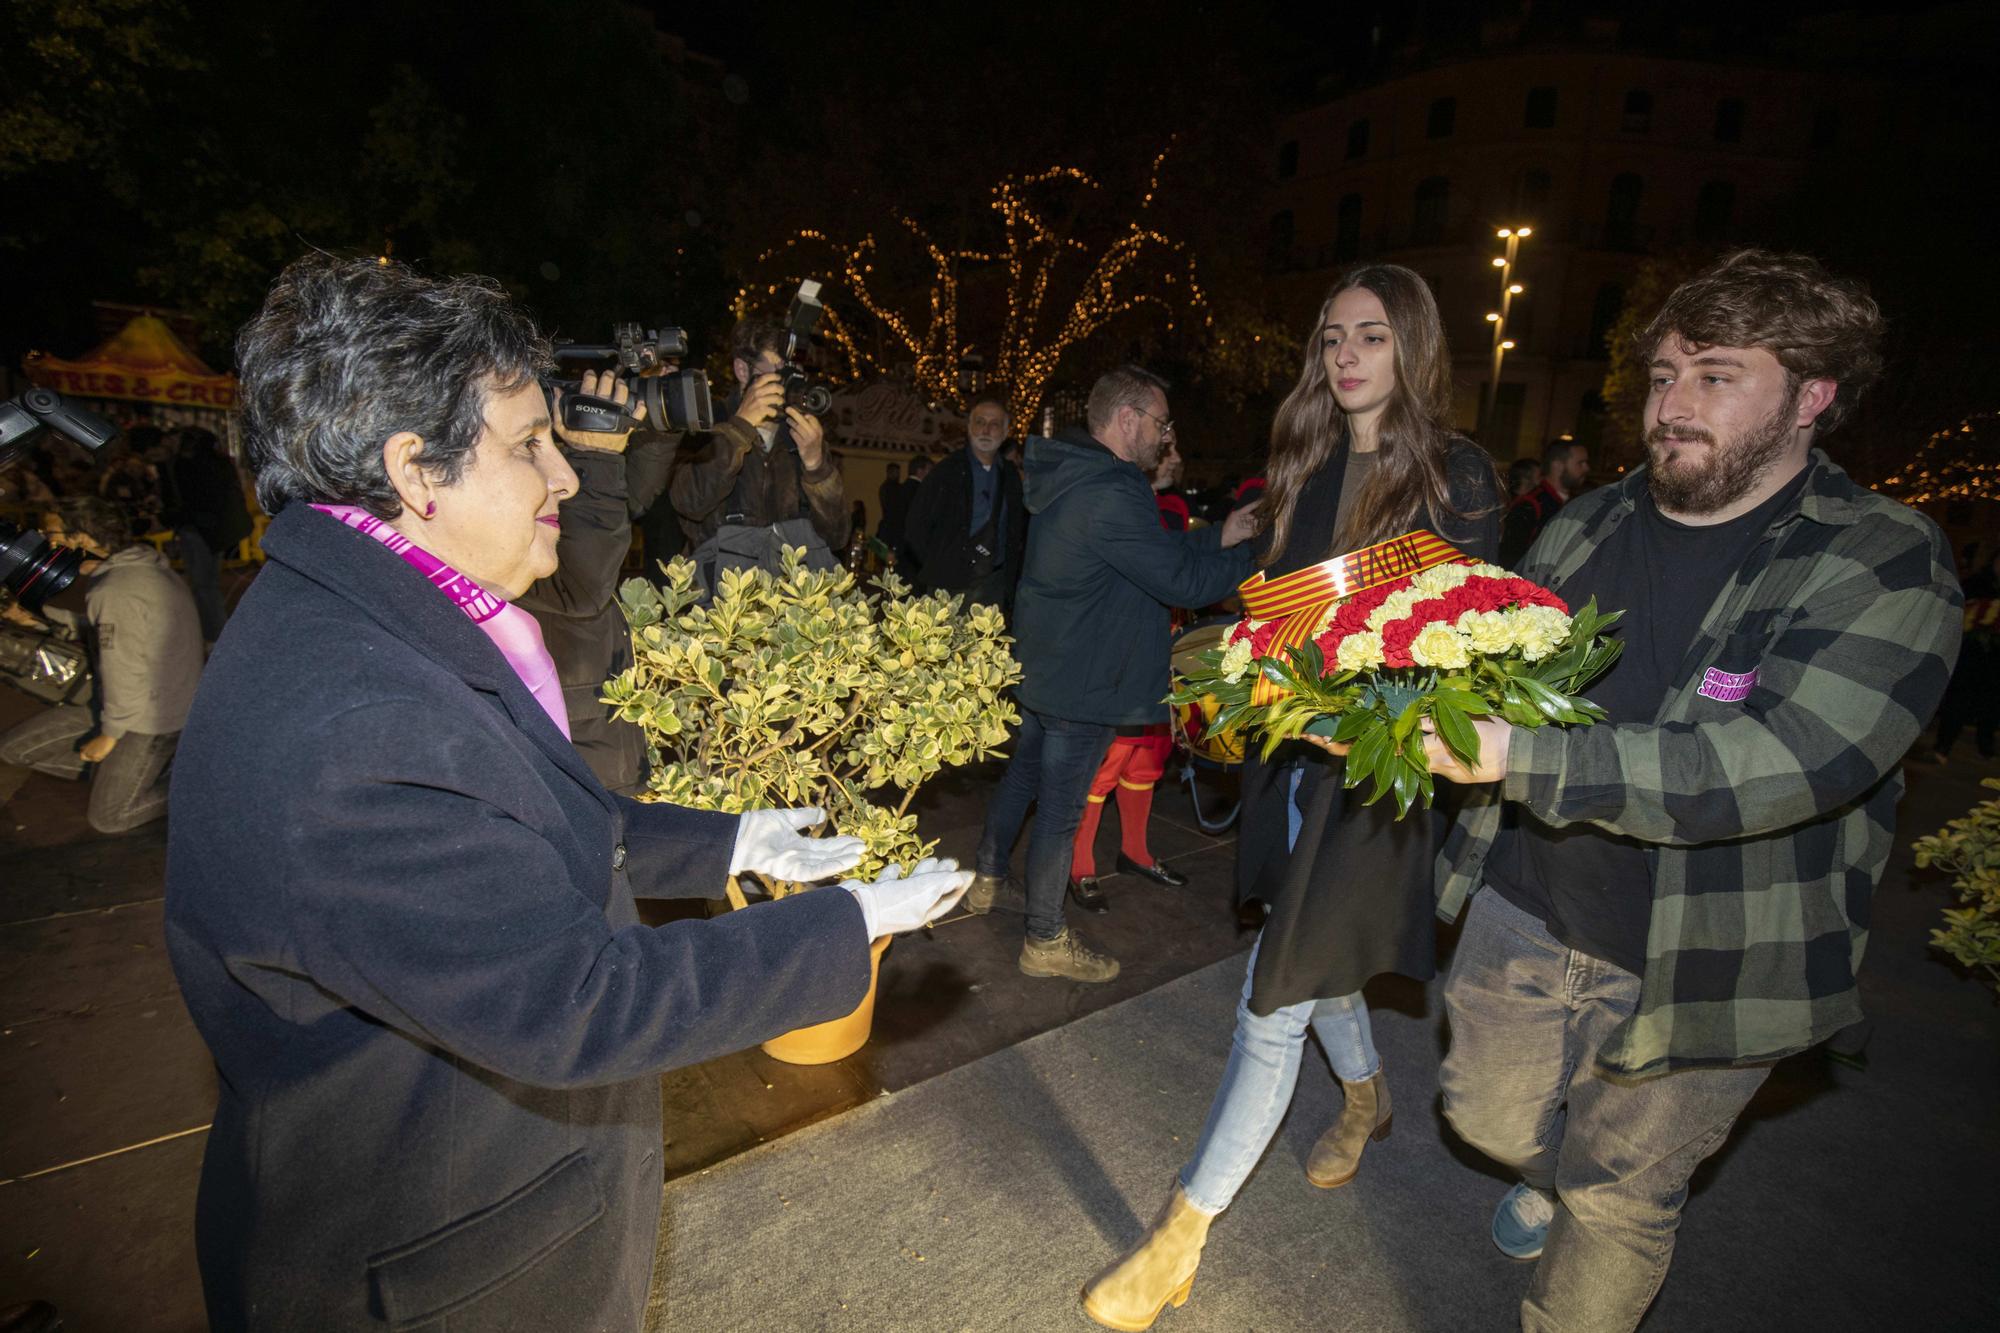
x=837, y=1038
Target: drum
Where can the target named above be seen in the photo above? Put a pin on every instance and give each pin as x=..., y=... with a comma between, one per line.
x=1191, y=722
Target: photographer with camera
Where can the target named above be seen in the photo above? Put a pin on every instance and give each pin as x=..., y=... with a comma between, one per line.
x=144, y=638
x=764, y=479
x=620, y=473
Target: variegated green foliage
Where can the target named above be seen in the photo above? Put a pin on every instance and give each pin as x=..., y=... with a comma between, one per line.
x=1970, y=849
x=802, y=689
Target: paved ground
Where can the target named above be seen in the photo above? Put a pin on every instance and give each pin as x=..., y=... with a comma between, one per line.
x=105, y=1089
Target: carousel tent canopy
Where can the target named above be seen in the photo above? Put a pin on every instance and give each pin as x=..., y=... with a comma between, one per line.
x=143, y=362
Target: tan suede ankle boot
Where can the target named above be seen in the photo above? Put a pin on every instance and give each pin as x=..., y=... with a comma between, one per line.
x=1337, y=1155
x=1156, y=1272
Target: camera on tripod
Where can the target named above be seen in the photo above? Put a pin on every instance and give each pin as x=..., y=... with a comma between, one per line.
x=31, y=569
x=801, y=390
x=677, y=400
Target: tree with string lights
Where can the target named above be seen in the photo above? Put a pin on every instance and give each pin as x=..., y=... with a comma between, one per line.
x=1958, y=463
x=1057, y=271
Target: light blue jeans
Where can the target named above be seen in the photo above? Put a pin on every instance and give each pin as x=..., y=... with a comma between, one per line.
x=1264, y=1057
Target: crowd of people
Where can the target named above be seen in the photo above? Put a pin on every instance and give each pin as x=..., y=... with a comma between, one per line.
x=421, y=963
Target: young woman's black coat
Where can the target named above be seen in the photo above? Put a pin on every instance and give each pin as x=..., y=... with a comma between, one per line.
x=1353, y=900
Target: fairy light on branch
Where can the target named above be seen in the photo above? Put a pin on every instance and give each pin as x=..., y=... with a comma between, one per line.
x=1960, y=462
x=1138, y=268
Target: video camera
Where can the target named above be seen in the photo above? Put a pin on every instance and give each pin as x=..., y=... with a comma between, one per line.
x=31, y=569
x=801, y=391
x=677, y=400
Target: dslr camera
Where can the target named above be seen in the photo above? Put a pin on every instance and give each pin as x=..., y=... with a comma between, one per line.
x=31, y=570
x=677, y=400
x=801, y=390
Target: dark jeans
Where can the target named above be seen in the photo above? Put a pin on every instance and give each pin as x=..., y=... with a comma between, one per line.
x=204, y=576
x=1054, y=761
x=129, y=788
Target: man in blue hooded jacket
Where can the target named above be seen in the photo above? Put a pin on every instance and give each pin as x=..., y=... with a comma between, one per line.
x=1091, y=631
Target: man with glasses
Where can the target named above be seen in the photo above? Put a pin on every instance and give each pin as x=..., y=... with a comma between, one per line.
x=1091, y=632
x=966, y=526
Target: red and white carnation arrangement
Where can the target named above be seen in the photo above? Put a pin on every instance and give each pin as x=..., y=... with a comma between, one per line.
x=1449, y=643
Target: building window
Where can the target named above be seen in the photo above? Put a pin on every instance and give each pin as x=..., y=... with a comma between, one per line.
x=1357, y=139
x=1826, y=129
x=1347, y=230
x=1541, y=111
x=1729, y=120
x=1604, y=313
x=1621, y=212
x=1433, y=211
x=1712, y=210
x=1288, y=159
x=1638, y=112
x=1443, y=116
x=1281, y=239
x=1531, y=198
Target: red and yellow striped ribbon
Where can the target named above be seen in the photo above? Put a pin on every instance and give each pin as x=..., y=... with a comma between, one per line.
x=1302, y=597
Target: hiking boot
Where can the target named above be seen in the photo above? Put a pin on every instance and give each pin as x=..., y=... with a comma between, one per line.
x=979, y=898
x=1337, y=1155
x=1521, y=1222
x=1065, y=956
x=1156, y=1272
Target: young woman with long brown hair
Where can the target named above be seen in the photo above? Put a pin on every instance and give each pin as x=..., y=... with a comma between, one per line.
x=1362, y=450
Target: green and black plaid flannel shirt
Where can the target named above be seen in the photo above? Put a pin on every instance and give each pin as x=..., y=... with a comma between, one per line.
x=1771, y=816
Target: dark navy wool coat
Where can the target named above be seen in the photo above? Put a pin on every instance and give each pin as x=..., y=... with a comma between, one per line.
x=401, y=911
x=1092, y=629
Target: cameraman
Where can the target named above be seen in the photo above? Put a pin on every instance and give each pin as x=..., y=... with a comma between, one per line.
x=144, y=639
x=764, y=479
x=618, y=475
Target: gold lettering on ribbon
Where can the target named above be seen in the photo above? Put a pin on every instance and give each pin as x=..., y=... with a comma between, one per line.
x=1333, y=581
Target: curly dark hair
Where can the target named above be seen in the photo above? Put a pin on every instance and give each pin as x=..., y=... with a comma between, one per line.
x=348, y=352
x=753, y=337
x=104, y=520
x=1817, y=325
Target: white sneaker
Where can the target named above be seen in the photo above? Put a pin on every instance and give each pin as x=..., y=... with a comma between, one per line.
x=1521, y=1222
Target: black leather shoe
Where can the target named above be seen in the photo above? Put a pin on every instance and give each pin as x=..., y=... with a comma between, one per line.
x=1085, y=894
x=1156, y=872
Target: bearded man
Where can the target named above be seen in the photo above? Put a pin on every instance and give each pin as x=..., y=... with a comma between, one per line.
x=1091, y=631
x=966, y=530
x=1679, y=896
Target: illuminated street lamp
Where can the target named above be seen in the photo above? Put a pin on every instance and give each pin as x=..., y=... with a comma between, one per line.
x=1509, y=289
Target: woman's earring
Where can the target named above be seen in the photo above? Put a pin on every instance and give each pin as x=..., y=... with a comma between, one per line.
x=430, y=509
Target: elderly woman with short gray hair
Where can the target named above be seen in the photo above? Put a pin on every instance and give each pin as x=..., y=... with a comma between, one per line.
x=400, y=906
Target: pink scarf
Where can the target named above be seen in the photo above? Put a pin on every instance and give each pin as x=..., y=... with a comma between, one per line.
x=512, y=630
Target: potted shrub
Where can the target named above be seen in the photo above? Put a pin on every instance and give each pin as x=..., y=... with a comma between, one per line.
x=804, y=689
x=1970, y=849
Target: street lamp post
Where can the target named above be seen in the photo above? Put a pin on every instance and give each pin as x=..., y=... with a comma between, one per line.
x=1509, y=289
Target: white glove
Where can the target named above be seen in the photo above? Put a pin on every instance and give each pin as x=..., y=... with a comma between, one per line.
x=895, y=903
x=768, y=842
